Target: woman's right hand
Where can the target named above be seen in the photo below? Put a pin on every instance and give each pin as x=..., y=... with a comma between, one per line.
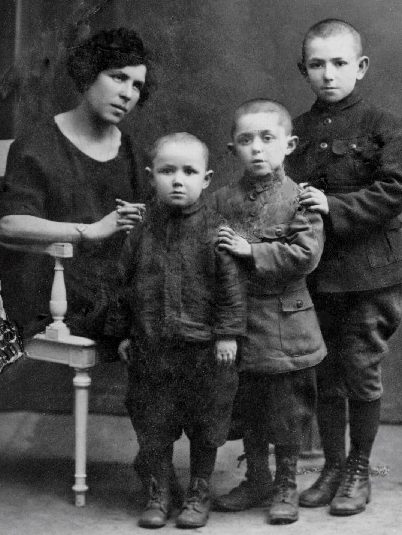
x=116, y=221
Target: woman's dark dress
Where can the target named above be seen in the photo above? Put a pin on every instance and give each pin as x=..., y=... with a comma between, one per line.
x=47, y=176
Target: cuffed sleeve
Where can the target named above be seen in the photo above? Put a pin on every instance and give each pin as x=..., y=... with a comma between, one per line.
x=291, y=250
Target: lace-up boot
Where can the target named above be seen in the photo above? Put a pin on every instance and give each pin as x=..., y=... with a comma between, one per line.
x=324, y=488
x=253, y=491
x=354, y=491
x=196, y=506
x=285, y=501
x=158, y=508
x=142, y=471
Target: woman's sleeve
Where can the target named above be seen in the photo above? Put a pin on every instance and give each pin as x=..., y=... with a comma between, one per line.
x=24, y=188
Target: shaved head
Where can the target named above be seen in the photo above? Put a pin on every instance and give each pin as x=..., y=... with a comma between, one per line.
x=330, y=27
x=263, y=105
x=178, y=137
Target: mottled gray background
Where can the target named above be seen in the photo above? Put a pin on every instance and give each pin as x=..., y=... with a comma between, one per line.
x=210, y=55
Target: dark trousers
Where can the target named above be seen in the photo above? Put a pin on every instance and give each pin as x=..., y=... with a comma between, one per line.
x=177, y=389
x=276, y=408
x=356, y=327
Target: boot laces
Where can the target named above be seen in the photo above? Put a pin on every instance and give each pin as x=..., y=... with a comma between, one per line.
x=157, y=496
x=196, y=496
x=353, y=471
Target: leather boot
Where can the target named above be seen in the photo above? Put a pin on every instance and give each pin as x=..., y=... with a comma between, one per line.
x=285, y=501
x=158, y=508
x=255, y=489
x=143, y=473
x=354, y=491
x=324, y=488
x=196, y=506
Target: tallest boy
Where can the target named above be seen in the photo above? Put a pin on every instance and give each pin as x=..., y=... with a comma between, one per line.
x=350, y=154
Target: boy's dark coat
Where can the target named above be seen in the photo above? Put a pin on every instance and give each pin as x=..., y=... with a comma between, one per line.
x=176, y=286
x=353, y=152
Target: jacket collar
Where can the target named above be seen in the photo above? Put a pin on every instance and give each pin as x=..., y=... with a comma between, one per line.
x=262, y=183
x=169, y=211
x=352, y=99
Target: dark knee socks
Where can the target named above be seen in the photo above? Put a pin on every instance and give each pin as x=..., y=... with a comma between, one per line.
x=364, y=418
x=331, y=416
x=159, y=463
x=202, y=460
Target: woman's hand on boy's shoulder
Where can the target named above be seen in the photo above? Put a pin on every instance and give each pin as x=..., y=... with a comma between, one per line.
x=314, y=199
x=225, y=351
x=232, y=242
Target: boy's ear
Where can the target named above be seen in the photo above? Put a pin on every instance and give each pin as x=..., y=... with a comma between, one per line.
x=292, y=144
x=231, y=148
x=207, y=178
x=363, y=66
x=302, y=68
x=149, y=174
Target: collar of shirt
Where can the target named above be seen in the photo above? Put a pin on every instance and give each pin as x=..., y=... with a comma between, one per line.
x=352, y=99
x=271, y=181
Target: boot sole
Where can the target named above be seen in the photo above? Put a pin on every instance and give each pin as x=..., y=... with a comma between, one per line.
x=314, y=505
x=283, y=520
x=189, y=525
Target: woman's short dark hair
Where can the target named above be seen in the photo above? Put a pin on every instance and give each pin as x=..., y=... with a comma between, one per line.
x=108, y=49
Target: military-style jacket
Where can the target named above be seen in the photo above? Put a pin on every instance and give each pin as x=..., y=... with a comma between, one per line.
x=353, y=152
x=175, y=285
x=283, y=334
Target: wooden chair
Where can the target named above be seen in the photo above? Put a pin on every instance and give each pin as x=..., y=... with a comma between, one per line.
x=57, y=345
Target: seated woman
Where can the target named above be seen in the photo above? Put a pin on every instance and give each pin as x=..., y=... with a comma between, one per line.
x=75, y=180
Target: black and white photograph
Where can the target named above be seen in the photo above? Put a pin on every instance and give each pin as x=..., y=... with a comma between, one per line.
x=200, y=267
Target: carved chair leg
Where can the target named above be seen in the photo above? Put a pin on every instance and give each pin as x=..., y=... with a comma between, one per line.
x=81, y=383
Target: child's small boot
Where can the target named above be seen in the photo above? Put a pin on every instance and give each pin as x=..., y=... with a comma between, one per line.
x=196, y=506
x=255, y=489
x=159, y=506
x=332, y=424
x=285, y=500
x=141, y=468
x=324, y=488
x=354, y=491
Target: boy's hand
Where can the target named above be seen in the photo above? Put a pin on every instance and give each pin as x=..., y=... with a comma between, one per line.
x=225, y=351
x=124, y=351
x=230, y=241
x=314, y=199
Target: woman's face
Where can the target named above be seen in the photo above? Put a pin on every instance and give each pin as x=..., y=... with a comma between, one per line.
x=115, y=92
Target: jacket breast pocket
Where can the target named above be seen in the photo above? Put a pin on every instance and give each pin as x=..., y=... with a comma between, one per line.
x=358, y=154
x=299, y=329
x=386, y=248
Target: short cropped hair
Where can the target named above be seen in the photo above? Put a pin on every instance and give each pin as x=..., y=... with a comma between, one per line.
x=109, y=49
x=178, y=137
x=329, y=27
x=265, y=105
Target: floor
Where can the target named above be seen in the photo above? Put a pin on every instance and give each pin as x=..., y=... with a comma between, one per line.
x=36, y=470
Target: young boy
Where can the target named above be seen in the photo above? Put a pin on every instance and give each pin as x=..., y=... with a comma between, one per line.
x=350, y=155
x=278, y=243
x=181, y=309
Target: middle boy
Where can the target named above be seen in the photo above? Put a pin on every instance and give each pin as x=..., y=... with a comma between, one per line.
x=279, y=243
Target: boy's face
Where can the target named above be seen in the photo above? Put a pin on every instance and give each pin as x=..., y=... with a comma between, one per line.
x=261, y=142
x=332, y=66
x=179, y=173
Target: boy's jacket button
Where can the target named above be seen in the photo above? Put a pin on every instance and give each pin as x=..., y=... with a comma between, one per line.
x=323, y=145
x=327, y=120
x=253, y=195
x=299, y=303
x=279, y=231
